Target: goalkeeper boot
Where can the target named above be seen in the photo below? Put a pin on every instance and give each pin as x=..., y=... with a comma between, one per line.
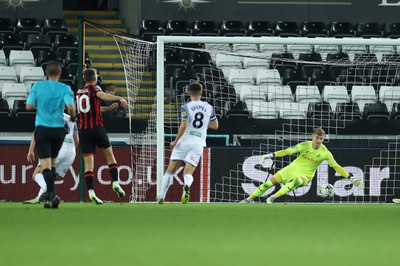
x=246, y=201
x=185, y=195
x=160, y=201
x=397, y=201
x=95, y=199
x=117, y=188
x=32, y=201
x=270, y=199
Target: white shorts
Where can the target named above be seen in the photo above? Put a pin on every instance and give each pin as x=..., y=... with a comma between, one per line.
x=65, y=158
x=189, y=153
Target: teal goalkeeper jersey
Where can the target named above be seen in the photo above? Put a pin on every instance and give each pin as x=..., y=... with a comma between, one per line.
x=309, y=159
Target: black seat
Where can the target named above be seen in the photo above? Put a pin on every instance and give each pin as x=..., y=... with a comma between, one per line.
x=6, y=26
x=199, y=59
x=338, y=57
x=278, y=59
x=238, y=109
x=71, y=58
x=37, y=43
x=395, y=114
x=204, y=28
x=391, y=58
x=365, y=58
x=391, y=30
x=375, y=110
x=19, y=108
x=150, y=29
x=44, y=57
x=259, y=28
x=287, y=29
x=65, y=42
x=369, y=30
x=177, y=27
x=232, y=28
x=309, y=57
x=54, y=26
x=314, y=29
x=316, y=73
x=319, y=110
x=10, y=41
x=341, y=29
x=4, y=108
x=25, y=26
x=337, y=71
x=348, y=111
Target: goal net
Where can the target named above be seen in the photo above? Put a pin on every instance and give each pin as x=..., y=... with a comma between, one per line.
x=270, y=94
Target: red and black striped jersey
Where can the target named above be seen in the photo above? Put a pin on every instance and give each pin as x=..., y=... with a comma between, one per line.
x=89, y=111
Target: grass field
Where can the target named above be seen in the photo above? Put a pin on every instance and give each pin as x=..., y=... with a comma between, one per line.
x=199, y=234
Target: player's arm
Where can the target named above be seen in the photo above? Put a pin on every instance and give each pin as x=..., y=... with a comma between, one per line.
x=111, y=107
x=214, y=124
x=109, y=97
x=357, y=182
x=181, y=130
x=76, y=140
x=281, y=153
x=31, y=154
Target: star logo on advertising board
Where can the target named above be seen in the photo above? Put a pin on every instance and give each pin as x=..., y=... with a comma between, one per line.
x=187, y=4
x=17, y=3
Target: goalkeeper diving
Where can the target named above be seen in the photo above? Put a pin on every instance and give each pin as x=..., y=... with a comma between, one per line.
x=301, y=171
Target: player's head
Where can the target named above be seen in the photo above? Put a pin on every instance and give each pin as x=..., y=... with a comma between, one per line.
x=90, y=76
x=195, y=90
x=318, y=137
x=110, y=88
x=53, y=69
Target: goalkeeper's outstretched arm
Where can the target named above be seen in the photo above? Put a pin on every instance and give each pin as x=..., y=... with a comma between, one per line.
x=357, y=182
x=279, y=153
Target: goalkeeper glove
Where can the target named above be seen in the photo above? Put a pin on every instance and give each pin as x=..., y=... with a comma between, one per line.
x=357, y=182
x=267, y=156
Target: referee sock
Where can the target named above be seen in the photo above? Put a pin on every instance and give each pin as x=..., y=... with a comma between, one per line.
x=48, y=177
x=89, y=180
x=53, y=171
x=113, y=171
x=166, y=182
x=261, y=189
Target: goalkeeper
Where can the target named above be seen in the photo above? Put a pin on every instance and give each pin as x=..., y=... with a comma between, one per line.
x=302, y=170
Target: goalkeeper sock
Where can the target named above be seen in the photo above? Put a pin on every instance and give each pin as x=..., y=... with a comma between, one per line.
x=188, y=179
x=261, y=189
x=166, y=181
x=297, y=181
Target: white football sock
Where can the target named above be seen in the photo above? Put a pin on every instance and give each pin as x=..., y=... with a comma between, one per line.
x=166, y=182
x=91, y=192
x=188, y=179
x=39, y=179
x=41, y=191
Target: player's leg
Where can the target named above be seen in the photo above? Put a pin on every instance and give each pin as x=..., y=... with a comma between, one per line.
x=39, y=179
x=167, y=178
x=191, y=160
x=296, y=182
x=397, y=201
x=273, y=181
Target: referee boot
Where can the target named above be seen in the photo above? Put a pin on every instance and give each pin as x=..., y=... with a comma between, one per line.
x=118, y=189
x=52, y=202
x=185, y=194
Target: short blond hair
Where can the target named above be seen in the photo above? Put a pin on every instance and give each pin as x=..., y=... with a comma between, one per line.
x=319, y=131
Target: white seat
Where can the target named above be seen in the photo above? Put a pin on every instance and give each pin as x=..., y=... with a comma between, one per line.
x=30, y=75
x=242, y=47
x=389, y=95
x=14, y=91
x=362, y=95
x=215, y=48
x=334, y=95
x=3, y=60
x=269, y=49
x=263, y=109
x=279, y=93
x=223, y=60
x=306, y=94
x=7, y=75
x=19, y=59
x=254, y=64
x=267, y=76
x=293, y=110
x=253, y=92
x=240, y=76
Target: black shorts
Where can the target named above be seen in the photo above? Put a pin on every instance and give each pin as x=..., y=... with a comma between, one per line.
x=49, y=141
x=92, y=138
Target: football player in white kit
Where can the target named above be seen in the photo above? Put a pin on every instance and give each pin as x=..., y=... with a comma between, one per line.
x=197, y=116
x=64, y=160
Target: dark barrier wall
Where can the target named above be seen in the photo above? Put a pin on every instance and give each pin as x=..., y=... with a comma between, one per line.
x=39, y=9
x=290, y=10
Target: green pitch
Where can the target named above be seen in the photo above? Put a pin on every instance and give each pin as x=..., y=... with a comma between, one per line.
x=199, y=234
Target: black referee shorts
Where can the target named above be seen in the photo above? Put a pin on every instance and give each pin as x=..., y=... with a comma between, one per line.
x=49, y=141
x=92, y=138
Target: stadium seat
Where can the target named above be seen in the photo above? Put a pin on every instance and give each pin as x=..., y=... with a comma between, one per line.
x=228, y=61
x=4, y=108
x=245, y=48
x=7, y=75
x=314, y=29
x=199, y=58
x=376, y=110
x=363, y=95
x=389, y=95
x=270, y=49
x=37, y=43
x=54, y=26
x=20, y=59
x=30, y=75
x=365, y=58
x=252, y=92
x=286, y=29
x=259, y=28
x=337, y=57
x=341, y=29
x=204, y=28
x=293, y=110
x=347, y=111
x=279, y=93
x=232, y=28
x=20, y=109
x=393, y=57
x=319, y=110
x=6, y=26
x=14, y=91
x=278, y=59
x=238, y=109
x=71, y=58
x=3, y=59
x=334, y=95
x=10, y=41
x=306, y=94
x=264, y=110
x=26, y=26
x=391, y=30
x=177, y=28
x=268, y=76
x=315, y=73
x=395, y=113
x=324, y=50
x=66, y=42
x=380, y=51
x=150, y=29
x=294, y=77
x=44, y=57
x=368, y=30
x=240, y=76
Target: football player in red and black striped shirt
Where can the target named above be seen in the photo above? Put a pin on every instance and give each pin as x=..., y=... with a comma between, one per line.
x=92, y=133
